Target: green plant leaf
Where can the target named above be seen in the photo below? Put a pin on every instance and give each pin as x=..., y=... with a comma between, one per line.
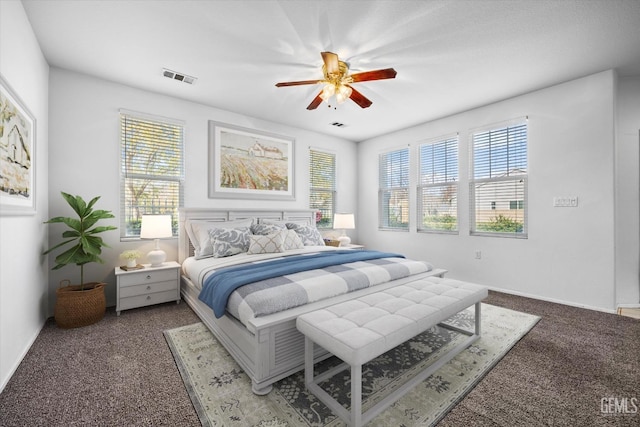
x=73, y=202
x=72, y=223
x=70, y=233
x=92, y=245
x=55, y=219
x=85, y=245
x=101, y=229
x=71, y=255
x=93, y=202
x=102, y=214
x=57, y=246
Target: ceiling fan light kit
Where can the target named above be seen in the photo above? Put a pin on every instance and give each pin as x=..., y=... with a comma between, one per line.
x=337, y=82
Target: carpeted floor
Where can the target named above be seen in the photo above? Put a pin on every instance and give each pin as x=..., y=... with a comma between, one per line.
x=121, y=372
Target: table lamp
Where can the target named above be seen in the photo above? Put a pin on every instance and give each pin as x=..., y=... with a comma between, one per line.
x=344, y=221
x=156, y=227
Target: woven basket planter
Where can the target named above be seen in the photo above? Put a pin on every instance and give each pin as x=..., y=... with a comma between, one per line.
x=75, y=308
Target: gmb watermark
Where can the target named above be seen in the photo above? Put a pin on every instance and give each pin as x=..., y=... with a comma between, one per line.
x=619, y=405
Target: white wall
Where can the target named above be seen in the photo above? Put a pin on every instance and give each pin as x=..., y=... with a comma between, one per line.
x=23, y=271
x=569, y=255
x=627, y=192
x=84, y=157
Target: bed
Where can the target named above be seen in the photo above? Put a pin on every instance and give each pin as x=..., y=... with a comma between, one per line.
x=268, y=346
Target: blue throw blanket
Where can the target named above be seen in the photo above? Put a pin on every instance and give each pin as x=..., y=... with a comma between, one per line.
x=219, y=285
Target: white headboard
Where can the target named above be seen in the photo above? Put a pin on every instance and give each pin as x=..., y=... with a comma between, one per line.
x=185, y=249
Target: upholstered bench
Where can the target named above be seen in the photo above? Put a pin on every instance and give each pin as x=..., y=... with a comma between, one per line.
x=361, y=329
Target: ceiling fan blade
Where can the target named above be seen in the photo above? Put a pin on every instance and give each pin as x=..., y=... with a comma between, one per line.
x=316, y=101
x=387, y=73
x=301, y=82
x=331, y=62
x=359, y=98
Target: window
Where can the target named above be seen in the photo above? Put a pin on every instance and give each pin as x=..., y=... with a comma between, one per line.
x=151, y=170
x=516, y=204
x=393, y=193
x=322, y=186
x=498, y=185
x=438, y=185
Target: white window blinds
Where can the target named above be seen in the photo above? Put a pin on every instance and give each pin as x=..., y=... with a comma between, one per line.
x=322, y=186
x=393, y=192
x=498, y=188
x=152, y=170
x=438, y=185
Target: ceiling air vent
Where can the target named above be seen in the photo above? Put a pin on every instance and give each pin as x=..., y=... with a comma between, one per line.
x=177, y=76
x=337, y=124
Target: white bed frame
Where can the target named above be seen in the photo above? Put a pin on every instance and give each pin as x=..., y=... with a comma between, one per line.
x=270, y=347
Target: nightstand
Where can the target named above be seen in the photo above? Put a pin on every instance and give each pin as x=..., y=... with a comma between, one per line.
x=353, y=246
x=147, y=286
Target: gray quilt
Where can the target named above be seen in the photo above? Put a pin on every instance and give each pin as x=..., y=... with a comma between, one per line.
x=285, y=292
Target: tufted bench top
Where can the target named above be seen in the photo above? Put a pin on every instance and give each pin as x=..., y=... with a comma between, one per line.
x=361, y=329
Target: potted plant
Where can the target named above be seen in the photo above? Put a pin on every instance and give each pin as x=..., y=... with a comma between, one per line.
x=83, y=304
x=132, y=257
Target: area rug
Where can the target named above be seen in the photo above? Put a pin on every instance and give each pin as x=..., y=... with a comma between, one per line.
x=221, y=392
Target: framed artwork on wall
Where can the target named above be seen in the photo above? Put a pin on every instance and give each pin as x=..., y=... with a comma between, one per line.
x=17, y=154
x=250, y=164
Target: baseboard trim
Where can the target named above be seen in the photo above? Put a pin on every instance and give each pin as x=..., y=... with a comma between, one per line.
x=553, y=300
x=14, y=368
x=628, y=306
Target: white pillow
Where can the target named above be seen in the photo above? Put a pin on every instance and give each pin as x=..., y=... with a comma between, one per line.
x=269, y=244
x=292, y=240
x=283, y=224
x=198, y=232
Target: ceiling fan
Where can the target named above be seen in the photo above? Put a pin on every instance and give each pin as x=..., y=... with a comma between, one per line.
x=337, y=81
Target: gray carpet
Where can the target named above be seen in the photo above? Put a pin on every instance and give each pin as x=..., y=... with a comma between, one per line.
x=120, y=372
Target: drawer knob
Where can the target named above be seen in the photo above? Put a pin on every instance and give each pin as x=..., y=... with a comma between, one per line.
x=148, y=276
x=148, y=287
x=148, y=297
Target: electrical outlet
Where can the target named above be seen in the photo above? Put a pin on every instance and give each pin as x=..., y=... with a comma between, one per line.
x=478, y=254
x=565, y=201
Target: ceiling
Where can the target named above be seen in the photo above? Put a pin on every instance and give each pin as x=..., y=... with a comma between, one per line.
x=450, y=55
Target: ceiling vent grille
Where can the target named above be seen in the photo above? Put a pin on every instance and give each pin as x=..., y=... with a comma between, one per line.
x=178, y=76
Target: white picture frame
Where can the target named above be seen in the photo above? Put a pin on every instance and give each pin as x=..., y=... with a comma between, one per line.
x=17, y=154
x=250, y=164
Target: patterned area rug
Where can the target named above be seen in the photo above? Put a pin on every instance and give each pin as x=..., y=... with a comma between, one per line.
x=221, y=392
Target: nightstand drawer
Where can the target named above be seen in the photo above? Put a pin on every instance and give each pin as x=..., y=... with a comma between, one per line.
x=150, y=276
x=148, y=299
x=149, y=288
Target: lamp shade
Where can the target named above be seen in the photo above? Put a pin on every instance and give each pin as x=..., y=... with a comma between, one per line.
x=344, y=221
x=156, y=227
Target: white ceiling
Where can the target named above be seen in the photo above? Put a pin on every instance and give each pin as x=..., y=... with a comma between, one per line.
x=450, y=56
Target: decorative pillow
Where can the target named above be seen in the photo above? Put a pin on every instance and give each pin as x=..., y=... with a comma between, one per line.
x=292, y=240
x=283, y=224
x=198, y=232
x=264, y=229
x=269, y=244
x=310, y=235
x=227, y=242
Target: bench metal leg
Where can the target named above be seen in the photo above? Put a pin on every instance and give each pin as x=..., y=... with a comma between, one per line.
x=356, y=395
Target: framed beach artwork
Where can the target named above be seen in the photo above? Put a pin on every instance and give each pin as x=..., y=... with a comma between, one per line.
x=17, y=154
x=249, y=164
